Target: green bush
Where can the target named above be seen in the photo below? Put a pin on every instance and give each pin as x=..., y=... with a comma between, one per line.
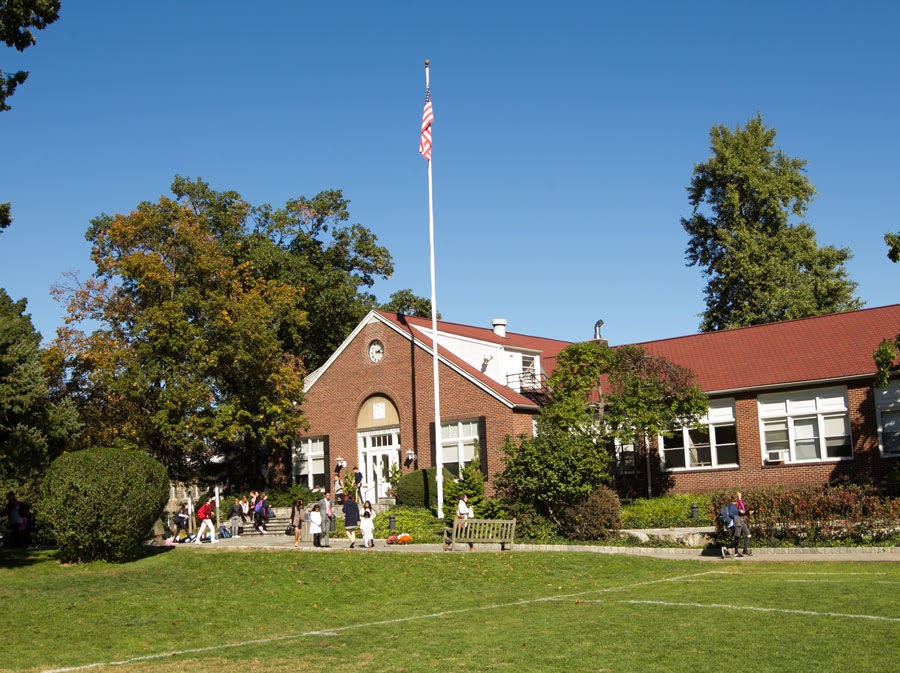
x=595, y=518
x=419, y=522
x=668, y=511
x=530, y=525
x=102, y=502
x=419, y=488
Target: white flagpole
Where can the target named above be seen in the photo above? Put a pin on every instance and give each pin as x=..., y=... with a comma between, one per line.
x=438, y=451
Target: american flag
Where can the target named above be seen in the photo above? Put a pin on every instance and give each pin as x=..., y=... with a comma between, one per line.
x=427, y=118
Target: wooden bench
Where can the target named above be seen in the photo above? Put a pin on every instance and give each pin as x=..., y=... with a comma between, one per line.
x=471, y=531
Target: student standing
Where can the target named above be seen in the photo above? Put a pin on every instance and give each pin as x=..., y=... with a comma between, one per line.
x=235, y=512
x=367, y=527
x=297, y=520
x=326, y=510
x=315, y=525
x=351, y=519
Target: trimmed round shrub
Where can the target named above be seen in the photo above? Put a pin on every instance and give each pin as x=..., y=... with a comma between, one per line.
x=593, y=519
x=102, y=502
x=419, y=488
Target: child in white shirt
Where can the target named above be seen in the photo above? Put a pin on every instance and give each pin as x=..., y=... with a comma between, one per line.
x=367, y=526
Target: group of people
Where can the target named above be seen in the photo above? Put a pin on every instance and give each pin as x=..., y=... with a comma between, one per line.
x=253, y=509
x=321, y=521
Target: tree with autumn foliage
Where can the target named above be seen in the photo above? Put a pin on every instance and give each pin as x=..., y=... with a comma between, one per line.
x=203, y=306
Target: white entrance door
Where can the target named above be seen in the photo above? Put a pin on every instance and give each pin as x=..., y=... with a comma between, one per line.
x=379, y=451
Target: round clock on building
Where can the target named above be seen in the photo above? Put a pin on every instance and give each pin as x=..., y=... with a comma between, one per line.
x=376, y=351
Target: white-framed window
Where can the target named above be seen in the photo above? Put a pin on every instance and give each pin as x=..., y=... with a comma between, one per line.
x=626, y=457
x=713, y=443
x=804, y=426
x=458, y=442
x=887, y=406
x=309, y=463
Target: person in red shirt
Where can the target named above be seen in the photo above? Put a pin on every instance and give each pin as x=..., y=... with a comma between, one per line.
x=204, y=515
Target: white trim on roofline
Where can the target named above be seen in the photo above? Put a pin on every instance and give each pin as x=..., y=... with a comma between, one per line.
x=485, y=342
x=791, y=385
x=314, y=376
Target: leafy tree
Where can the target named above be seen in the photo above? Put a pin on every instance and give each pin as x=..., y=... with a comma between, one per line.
x=649, y=396
x=565, y=461
x=568, y=458
x=893, y=243
x=17, y=18
x=407, y=303
x=211, y=312
x=188, y=362
x=36, y=421
x=760, y=267
x=888, y=350
x=307, y=244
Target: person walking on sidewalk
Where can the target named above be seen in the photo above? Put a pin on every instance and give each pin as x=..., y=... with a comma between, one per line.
x=204, y=515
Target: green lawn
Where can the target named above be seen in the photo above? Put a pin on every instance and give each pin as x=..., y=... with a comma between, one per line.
x=241, y=611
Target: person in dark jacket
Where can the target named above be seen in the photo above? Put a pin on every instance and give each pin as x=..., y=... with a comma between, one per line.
x=351, y=519
x=235, y=514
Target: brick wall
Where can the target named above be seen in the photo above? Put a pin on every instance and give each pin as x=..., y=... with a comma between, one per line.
x=866, y=463
x=404, y=375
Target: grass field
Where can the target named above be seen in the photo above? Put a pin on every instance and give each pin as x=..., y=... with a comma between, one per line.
x=242, y=611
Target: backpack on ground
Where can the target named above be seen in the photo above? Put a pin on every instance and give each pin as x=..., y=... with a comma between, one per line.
x=224, y=531
x=725, y=516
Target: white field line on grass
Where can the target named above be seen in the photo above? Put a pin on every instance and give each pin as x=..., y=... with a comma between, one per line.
x=368, y=625
x=751, y=608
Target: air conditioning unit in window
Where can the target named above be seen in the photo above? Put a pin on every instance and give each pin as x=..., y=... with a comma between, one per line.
x=777, y=456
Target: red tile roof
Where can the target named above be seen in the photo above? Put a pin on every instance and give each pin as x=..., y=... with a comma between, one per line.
x=837, y=346
x=809, y=350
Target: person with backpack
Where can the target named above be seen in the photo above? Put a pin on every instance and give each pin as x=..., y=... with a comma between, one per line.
x=732, y=516
x=261, y=513
x=180, y=523
x=204, y=516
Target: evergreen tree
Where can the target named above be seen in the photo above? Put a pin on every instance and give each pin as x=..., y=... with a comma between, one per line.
x=36, y=421
x=760, y=266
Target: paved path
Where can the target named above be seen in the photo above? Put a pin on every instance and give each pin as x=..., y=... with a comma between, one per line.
x=286, y=543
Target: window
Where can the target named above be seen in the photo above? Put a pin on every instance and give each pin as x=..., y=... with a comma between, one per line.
x=887, y=404
x=458, y=441
x=805, y=426
x=626, y=457
x=309, y=462
x=712, y=444
x=529, y=372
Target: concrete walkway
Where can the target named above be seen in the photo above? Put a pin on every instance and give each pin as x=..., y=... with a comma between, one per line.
x=340, y=545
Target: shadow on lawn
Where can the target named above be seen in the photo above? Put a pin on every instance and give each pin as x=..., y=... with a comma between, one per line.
x=21, y=558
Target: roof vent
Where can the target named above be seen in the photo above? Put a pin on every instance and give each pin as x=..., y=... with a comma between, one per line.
x=597, y=326
x=499, y=325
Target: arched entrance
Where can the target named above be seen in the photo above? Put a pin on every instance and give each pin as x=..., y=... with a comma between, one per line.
x=378, y=441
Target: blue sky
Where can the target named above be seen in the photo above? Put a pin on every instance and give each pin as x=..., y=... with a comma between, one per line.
x=564, y=137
